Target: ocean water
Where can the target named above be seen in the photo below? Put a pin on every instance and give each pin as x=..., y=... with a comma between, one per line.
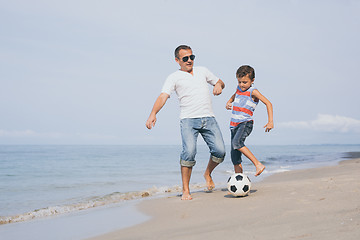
x=50, y=180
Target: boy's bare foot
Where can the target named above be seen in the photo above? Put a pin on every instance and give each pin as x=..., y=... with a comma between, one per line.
x=259, y=169
x=186, y=196
x=209, y=182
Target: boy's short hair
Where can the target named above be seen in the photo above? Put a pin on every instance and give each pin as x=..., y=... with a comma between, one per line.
x=177, y=50
x=245, y=70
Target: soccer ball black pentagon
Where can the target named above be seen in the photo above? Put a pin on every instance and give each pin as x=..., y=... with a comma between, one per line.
x=239, y=184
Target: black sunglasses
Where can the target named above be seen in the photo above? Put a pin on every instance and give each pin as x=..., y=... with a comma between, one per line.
x=185, y=59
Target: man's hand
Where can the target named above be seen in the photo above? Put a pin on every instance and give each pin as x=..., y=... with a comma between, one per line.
x=159, y=103
x=218, y=88
x=150, y=123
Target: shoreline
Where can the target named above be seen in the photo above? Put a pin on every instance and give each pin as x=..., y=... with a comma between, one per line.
x=315, y=203
x=119, y=189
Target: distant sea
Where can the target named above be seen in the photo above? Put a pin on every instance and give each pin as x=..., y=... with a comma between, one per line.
x=38, y=181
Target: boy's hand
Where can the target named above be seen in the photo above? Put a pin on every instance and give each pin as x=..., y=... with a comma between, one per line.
x=228, y=105
x=269, y=126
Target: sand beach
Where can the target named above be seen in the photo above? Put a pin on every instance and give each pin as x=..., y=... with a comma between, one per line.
x=319, y=203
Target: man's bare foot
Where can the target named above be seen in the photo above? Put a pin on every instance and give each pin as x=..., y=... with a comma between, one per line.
x=186, y=196
x=259, y=169
x=209, y=182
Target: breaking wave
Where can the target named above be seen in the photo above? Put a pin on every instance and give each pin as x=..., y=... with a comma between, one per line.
x=94, y=202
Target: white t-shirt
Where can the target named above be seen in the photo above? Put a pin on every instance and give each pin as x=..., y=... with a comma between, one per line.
x=192, y=91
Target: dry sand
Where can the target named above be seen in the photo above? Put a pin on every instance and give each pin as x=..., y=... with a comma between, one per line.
x=321, y=203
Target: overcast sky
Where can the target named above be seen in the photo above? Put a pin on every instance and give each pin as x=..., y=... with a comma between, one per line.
x=88, y=72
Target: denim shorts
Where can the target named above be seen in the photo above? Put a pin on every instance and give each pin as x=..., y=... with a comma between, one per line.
x=238, y=136
x=209, y=130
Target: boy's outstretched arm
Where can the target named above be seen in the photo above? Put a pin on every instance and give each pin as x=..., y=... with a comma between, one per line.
x=229, y=103
x=270, y=124
x=159, y=103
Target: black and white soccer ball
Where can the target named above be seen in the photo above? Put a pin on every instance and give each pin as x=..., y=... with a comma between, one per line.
x=239, y=184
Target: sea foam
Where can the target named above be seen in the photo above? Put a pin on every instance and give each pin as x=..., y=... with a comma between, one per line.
x=105, y=200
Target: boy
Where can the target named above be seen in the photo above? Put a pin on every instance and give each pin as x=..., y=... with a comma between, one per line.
x=243, y=104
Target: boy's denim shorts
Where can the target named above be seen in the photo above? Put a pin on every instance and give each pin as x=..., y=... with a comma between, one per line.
x=238, y=136
x=209, y=130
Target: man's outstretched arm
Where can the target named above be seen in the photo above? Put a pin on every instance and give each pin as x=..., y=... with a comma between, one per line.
x=159, y=103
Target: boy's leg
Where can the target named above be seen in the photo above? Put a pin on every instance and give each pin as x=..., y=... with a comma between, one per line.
x=238, y=168
x=241, y=132
x=236, y=160
x=235, y=154
x=259, y=166
x=185, y=176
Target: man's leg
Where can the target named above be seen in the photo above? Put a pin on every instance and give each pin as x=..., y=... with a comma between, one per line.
x=207, y=175
x=189, y=136
x=185, y=175
x=213, y=138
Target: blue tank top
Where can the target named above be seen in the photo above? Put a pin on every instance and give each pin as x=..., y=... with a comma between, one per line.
x=243, y=107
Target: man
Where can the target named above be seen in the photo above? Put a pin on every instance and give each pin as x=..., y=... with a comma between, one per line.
x=196, y=115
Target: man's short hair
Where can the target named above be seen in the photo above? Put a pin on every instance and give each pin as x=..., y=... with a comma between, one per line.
x=177, y=50
x=245, y=70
